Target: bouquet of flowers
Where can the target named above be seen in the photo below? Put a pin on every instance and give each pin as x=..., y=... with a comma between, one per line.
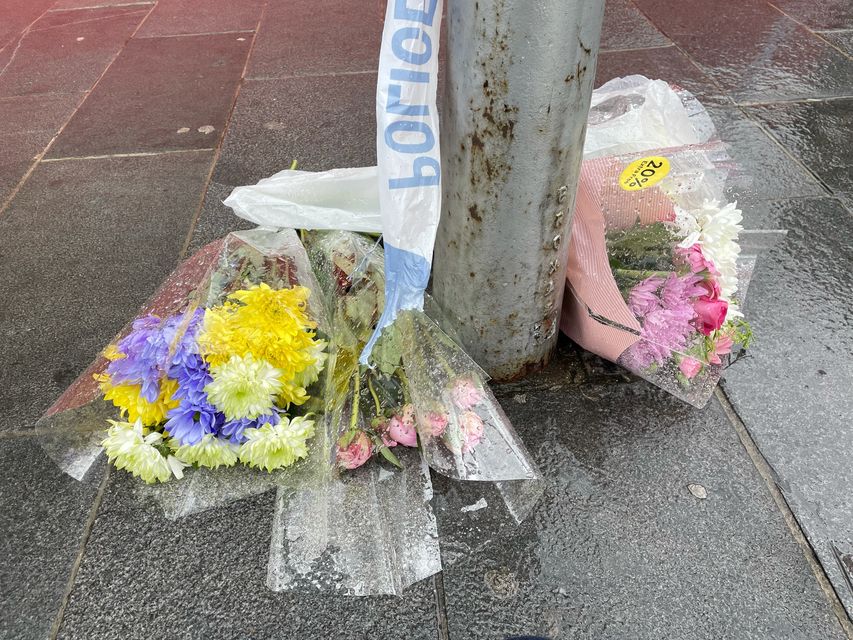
x=420, y=388
x=658, y=261
x=216, y=369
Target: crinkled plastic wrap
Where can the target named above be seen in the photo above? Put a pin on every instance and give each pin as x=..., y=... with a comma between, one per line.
x=372, y=530
x=72, y=430
x=658, y=264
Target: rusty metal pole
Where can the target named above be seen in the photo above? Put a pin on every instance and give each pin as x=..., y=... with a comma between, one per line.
x=518, y=83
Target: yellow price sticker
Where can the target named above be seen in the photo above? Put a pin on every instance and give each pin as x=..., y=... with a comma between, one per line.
x=644, y=173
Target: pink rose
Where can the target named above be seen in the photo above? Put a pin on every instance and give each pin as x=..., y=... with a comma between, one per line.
x=465, y=395
x=710, y=314
x=404, y=433
x=382, y=430
x=722, y=346
x=694, y=257
x=472, y=430
x=356, y=453
x=689, y=367
x=436, y=423
x=712, y=287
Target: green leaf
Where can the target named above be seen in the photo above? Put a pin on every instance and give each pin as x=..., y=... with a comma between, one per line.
x=390, y=457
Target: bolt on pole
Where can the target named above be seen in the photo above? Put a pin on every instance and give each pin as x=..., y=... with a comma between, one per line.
x=519, y=79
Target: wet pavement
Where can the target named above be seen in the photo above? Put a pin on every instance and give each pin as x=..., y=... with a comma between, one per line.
x=123, y=125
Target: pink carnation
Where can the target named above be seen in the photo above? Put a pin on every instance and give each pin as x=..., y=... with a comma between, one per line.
x=697, y=261
x=465, y=394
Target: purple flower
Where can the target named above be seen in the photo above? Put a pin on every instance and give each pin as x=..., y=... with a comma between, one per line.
x=152, y=347
x=194, y=416
x=233, y=429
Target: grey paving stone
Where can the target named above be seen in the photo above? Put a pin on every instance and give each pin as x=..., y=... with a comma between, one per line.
x=626, y=28
x=157, y=88
x=83, y=244
x=177, y=17
x=42, y=520
x=37, y=113
x=663, y=63
x=19, y=150
x=306, y=37
x=793, y=391
x=204, y=577
x=753, y=51
x=826, y=14
x=765, y=171
x=67, y=51
x=841, y=39
x=619, y=547
x=321, y=122
x=818, y=133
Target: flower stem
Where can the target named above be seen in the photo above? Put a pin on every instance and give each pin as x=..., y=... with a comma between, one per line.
x=355, y=393
x=375, y=397
x=634, y=273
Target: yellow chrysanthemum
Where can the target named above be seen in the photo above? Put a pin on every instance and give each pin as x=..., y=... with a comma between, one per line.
x=269, y=324
x=128, y=398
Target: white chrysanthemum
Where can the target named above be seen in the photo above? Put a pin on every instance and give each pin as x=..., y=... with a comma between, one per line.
x=127, y=448
x=244, y=387
x=275, y=446
x=716, y=230
x=309, y=375
x=211, y=452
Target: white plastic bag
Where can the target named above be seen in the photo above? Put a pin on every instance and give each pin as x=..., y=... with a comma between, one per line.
x=345, y=199
x=634, y=114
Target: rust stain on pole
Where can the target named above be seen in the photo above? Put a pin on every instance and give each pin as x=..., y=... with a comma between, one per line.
x=518, y=85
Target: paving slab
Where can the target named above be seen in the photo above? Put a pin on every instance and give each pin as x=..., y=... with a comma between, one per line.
x=216, y=220
x=204, y=576
x=825, y=14
x=817, y=132
x=619, y=547
x=765, y=169
x=42, y=519
x=37, y=113
x=753, y=51
x=67, y=51
x=83, y=244
x=180, y=17
x=793, y=391
x=663, y=63
x=19, y=153
x=322, y=122
x=626, y=28
x=17, y=16
x=841, y=39
x=306, y=37
x=160, y=94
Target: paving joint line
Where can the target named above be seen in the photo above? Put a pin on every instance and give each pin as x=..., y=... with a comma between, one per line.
x=132, y=154
x=217, y=153
x=810, y=100
x=629, y=49
x=191, y=35
x=766, y=471
x=98, y=19
x=78, y=559
x=327, y=74
x=441, y=606
x=101, y=6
